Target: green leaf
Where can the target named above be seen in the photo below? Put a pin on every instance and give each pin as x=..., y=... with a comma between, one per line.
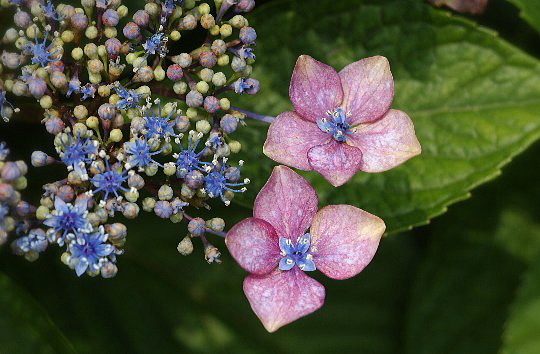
x=474, y=98
x=521, y=335
x=24, y=325
x=529, y=10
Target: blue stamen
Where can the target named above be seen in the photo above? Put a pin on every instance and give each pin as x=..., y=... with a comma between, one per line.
x=296, y=254
x=336, y=124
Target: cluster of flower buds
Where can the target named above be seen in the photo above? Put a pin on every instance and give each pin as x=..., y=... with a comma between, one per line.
x=141, y=120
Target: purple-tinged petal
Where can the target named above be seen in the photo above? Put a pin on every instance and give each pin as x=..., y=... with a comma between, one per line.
x=315, y=88
x=344, y=239
x=289, y=139
x=59, y=204
x=335, y=161
x=385, y=143
x=282, y=297
x=253, y=243
x=287, y=201
x=368, y=89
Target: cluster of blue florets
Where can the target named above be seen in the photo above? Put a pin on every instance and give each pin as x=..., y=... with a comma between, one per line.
x=97, y=73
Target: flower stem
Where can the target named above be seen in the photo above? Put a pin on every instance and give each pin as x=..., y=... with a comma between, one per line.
x=259, y=117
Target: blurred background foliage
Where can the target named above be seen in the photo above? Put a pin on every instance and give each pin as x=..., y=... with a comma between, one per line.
x=469, y=282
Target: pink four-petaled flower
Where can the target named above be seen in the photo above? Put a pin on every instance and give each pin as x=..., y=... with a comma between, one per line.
x=274, y=247
x=342, y=122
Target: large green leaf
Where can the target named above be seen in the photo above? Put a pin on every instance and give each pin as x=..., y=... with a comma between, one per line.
x=530, y=11
x=521, y=335
x=474, y=98
x=24, y=325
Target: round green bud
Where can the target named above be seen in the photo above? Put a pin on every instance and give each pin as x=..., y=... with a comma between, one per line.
x=165, y=192
x=235, y=146
x=202, y=87
x=223, y=60
x=116, y=135
x=91, y=50
x=159, y=73
x=79, y=129
x=204, y=9
x=189, y=4
x=203, y=126
x=247, y=71
x=177, y=13
x=216, y=224
x=42, y=212
x=180, y=87
x=130, y=58
x=151, y=170
x=225, y=30
x=187, y=192
x=139, y=62
x=206, y=74
x=92, y=122
x=219, y=79
x=132, y=195
x=11, y=35
x=169, y=168
x=46, y=102
x=32, y=32
x=67, y=36
x=144, y=91
x=225, y=104
x=102, y=51
x=104, y=91
x=152, y=9
x=91, y=32
x=214, y=31
x=94, y=78
x=176, y=218
x=8, y=85
x=191, y=113
x=110, y=32
x=80, y=112
x=41, y=73
x=175, y=35
x=185, y=247
x=148, y=204
x=238, y=21
x=77, y=53
x=122, y=11
x=20, y=183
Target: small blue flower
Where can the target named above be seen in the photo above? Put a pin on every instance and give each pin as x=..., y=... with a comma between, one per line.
x=87, y=91
x=90, y=251
x=139, y=154
x=77, y=154
x=49, y=11
x=250, y=86
x=156, y=126
x=3, y=104
x=74, y=85
x=223, y=178
x=128, y=98
x=188, y=160
x=337, y=125
x=156, y=44
x=68, y=219
x=40, y=51
x=35, y=241
x=109, y=181
x=4, y=151
x=296, y=254
x=4, y=210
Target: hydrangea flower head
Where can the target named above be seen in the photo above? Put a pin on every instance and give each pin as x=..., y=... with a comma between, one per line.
x=342, y=122
x=78, y=153
x=40, y=51
x=275, y=248
x=110, y=180
x=128, y=98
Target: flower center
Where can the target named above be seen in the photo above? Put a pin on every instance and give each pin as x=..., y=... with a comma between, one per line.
x=296, y=254
x=335, y=124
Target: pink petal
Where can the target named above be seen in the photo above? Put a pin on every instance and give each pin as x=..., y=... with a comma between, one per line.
x=289, y=139
x=335, y=161
x=282, y=297
x=344, y=239
x=254, y=244
x=287, y=202
x=315, y=88
x=368, y=89
x=386, y=143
